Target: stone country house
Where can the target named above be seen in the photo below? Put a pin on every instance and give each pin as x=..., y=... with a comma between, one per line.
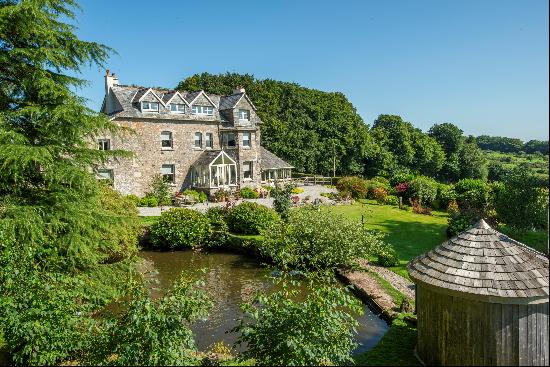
x=193, y=139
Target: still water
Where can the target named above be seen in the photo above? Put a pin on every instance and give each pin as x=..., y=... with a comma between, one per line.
x=231, y=279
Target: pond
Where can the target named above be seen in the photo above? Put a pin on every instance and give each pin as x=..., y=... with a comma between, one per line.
x=230, y=280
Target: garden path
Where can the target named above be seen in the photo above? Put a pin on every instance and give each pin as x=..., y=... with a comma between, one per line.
x=403, y=285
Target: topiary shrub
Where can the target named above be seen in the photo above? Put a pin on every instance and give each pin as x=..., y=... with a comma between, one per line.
x=387, y=257
x=180, y=228
x=248, y=193
x=250, y=218
x=355, y=186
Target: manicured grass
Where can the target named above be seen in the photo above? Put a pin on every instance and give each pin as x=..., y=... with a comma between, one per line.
x=396, y=296
x=147, y=221
x=396, y=348
x=409, y=233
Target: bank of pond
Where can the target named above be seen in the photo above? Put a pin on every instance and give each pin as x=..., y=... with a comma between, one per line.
x=231, y=279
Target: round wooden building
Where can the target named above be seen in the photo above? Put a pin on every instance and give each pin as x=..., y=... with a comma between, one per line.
x=481, y=299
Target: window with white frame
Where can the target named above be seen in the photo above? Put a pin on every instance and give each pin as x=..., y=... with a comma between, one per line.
x=149, y=106
x=167, y=172
x=247, y=139
x=104, y=144
x=203, y=110
x=177, y=108
x=105, y=174
x=244, y=115
x=166, y=140
x=198, y=140
x=247, y=170
x=209, y=141
x=228, y=140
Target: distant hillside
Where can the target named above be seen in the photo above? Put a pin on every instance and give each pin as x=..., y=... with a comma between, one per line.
x=306, y=127
x=511, y=145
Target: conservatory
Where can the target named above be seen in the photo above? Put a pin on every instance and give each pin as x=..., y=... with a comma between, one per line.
x=274, y=168
x=214, y=170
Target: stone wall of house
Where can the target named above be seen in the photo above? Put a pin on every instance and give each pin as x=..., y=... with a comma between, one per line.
x=133, y=175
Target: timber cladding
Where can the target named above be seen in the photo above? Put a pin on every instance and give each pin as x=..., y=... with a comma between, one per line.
x=458, y=331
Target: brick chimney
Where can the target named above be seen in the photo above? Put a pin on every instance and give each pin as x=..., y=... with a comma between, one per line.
x=110, y=80
x=238, y=90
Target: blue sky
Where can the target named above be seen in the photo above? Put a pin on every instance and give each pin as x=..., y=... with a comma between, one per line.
x=482, y=65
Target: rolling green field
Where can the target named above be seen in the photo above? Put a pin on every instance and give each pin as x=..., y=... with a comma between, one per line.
x=537, y=163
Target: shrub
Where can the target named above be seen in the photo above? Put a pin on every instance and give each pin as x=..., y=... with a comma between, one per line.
x=134, y=199
x=300, y=326
x=445, y=194
x=282, y=201
x=180, y=228
x=402, y=188
x=452, y=208
x=160, y=189
x=250, y=218
x=314, y=239
x=221, y=195
x=423, y=189
x=199, y=196
x=149, y=200
x=391, y=200
x=473, y=195
x=401, y=176
x=248, y=193
x=380, y=195
x=461, y=221
x=355, y=186
x=521, y=202
x=377, y=184
x=297, y=190
x=387, y=257
x=418, y=208
x=218, y=221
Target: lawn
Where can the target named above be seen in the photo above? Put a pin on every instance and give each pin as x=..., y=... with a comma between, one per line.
x=409, y=233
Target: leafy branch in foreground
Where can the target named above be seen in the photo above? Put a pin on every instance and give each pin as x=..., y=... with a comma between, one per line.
x=285, y=328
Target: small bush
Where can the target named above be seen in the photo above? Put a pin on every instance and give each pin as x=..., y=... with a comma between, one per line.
x=377, y=184
x=199, y=196
x=181, y=228
x=387, y=257
x=423, y=189
x=297, y=190
x=282, y=201
x=250, y=218
x=380, y=195
x=419, y=209
x=134, y=199
x=161, y=190
x=391, y=200
x=355, y=186
x=149, y=200
x=248, y=193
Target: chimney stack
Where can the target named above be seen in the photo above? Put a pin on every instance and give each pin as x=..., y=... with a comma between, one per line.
x=110, y=80
x=238, y=90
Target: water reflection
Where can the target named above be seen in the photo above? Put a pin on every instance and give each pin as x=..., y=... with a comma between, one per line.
x=230, y=280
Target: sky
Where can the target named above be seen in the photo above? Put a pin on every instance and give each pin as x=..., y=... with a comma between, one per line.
x=480, y=64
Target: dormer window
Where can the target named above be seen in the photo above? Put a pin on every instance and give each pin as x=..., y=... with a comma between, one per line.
x=203, y=110
x=149, y=107
x=244, y=115
x=177, y=108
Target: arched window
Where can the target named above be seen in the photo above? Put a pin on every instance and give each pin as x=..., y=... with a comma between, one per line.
x=166, y=140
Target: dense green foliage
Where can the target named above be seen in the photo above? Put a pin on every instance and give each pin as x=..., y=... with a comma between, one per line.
x=304, y=126
x=198, y=196
x=248, y=193
x=160, y=190
x=353, y=186
x=284, y=329
x=180, y=228
x=152, y=332
x=424, y=189
x=511, y=145
x=312, y=239
x=520, y=202
x=59, y=229
x=251, y=218
x=282, y=202
x=502, y=163
x=387, y=257
x=220, y=229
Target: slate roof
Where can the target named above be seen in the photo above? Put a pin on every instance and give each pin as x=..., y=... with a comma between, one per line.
x=484, y=262
x=271, y=161
x=227, y=102
x=189, y=97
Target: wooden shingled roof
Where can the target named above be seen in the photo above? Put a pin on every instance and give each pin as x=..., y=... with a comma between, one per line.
x=484, y=262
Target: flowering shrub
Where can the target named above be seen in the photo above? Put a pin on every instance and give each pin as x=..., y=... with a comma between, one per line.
x=402, y=188
x=423, y=189
x=296, y=199
x=297, y=190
